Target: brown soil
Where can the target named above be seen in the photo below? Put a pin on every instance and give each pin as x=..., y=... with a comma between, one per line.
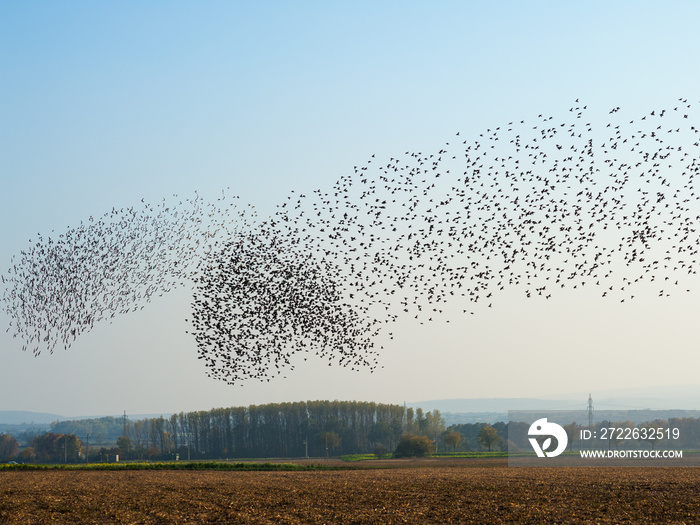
x=452, y=491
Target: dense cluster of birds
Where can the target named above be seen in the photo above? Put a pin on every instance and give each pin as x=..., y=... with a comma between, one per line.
x=257, y=303
x=536, y=206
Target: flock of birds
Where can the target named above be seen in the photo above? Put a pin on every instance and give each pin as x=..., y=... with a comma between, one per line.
x=534, y=206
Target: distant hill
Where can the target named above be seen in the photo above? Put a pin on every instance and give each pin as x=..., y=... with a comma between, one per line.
x=22, y=417
x=495, y=404
x=491, y=410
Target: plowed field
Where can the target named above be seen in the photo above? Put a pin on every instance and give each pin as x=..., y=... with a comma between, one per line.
x=454, y=491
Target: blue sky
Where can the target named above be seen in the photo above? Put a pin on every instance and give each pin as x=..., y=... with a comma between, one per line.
x=105, y=103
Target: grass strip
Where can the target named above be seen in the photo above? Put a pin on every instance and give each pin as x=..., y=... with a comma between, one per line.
x=179, y=465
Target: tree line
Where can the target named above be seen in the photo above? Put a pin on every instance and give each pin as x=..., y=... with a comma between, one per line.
x=313, y=428
x=298, y=429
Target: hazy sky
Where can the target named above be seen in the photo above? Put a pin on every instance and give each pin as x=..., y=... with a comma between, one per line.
x=105, y=103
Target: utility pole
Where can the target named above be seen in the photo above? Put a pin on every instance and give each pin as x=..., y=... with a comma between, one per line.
x=590, y=414
x=87, y=448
